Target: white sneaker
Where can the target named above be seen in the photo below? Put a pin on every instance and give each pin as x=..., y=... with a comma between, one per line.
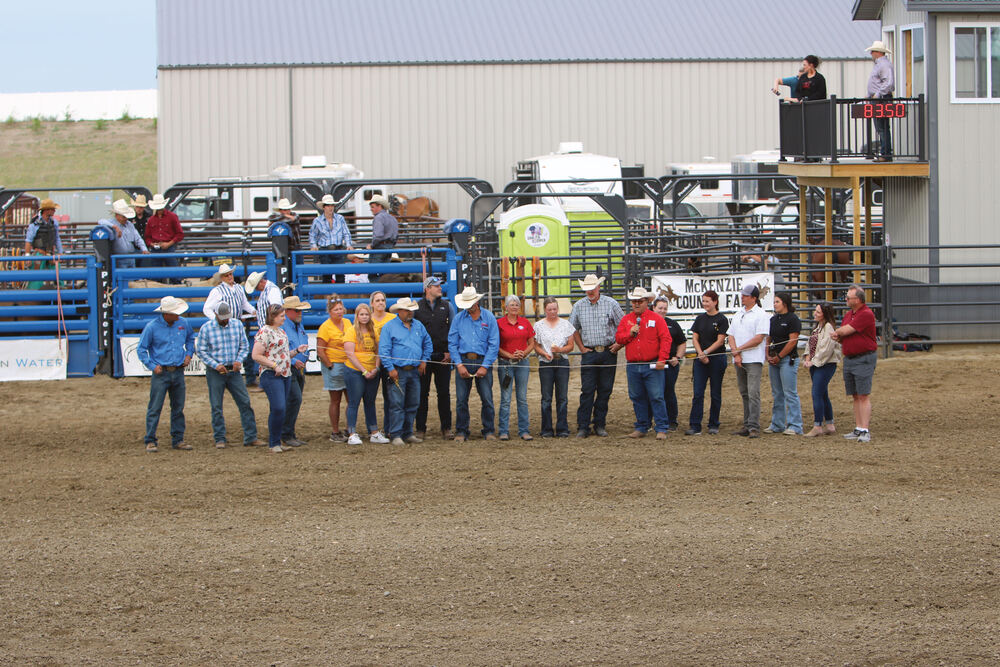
x=398, y=442
x=275, y=450
x=853, y=435
x=378, y=439
x=355, y=439
x=790, y=431
x=865, y=436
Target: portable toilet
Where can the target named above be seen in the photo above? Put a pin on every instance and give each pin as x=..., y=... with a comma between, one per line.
x=537, y=230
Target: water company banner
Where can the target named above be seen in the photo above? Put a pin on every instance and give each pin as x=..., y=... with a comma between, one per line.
x=32, y=359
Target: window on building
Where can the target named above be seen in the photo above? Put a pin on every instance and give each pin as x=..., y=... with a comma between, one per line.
x=976, y=63
x=911, y=63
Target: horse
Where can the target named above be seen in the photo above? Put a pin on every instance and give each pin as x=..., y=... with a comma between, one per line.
x=416, y=209
x=818, y=258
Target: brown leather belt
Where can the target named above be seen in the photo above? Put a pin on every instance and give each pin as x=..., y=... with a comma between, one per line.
x=600, y=348
x=406, y=368
x=472, y=355
x=171, y=368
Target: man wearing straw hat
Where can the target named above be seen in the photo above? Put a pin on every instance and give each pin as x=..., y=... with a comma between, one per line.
x=385, y=228
x=165, y=348
x=297, y=337
x=287, y=215
x=163, y=232
x=125, y=239
x=223, y=346
x=595, y=319
x=646, y=338
x=881, y=84
x=227, y=291
x=42, y=235
x=473, y=343
x=404, y=347
x=141, y=208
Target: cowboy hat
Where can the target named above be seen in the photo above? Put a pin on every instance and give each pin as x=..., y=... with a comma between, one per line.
x=327, y=200
x=590, y=282
x=878, y=45
x=252, y=281
x=140, y=200
x=406, y=303
x=637, y=294
x=294, y=303
x=158, y=202
x=468, y=298
x=47, y=204
x=223, y=270
x=169, y=304
x=381, y=201
x=121, y=207
x=360, y=256
x=285, y=205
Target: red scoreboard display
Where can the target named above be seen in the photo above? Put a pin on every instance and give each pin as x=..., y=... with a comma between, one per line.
x=878, y=110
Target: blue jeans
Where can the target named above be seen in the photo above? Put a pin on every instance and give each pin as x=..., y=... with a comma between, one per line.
x=669, y=394
x=171, y=382
x=884, y=131
x=702, y=375
x=519, y=372
x=361, y=389
x=822, y=407
x=217, y=386
x=596, y=385
x=295, y=387
x=249, y=365
x=554, y=375
x=463, y=387
x=645, y=388
x=403, y=403
x=786, y=412
x=154, y=261
x=276, y=388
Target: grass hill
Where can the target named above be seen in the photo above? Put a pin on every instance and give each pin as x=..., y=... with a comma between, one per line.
x=39, y=154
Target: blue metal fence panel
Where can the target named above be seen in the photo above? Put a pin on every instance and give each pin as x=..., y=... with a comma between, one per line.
x=66, y=285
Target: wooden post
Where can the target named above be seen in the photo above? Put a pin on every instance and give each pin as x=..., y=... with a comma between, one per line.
x=828, y=239
x=803, y=256
x=505, y=275
x=856, y=238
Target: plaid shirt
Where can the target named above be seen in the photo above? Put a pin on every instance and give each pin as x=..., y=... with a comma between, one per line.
x=323, y=233
x=596, y=322
x=224, y=345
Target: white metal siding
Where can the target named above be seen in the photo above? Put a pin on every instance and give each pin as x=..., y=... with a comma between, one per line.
x=905, y=206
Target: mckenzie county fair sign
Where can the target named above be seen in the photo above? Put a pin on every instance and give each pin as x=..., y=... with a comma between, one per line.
x=32, y=359
x=685, y=290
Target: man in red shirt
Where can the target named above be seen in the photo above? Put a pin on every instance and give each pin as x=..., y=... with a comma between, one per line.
x=857, y=336
x=163, y=232
x=646, y=338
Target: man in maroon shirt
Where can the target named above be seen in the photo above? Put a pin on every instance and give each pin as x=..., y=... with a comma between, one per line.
x=646, y=338
x=163, y=232
x=857, y=336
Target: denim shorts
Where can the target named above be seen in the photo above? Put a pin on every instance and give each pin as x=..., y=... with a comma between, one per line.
x=333, y=377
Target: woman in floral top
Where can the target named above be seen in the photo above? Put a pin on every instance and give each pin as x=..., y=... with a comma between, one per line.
x=270, y=350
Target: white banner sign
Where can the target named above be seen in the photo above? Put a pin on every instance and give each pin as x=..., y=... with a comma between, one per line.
x=685, y=290
x=31, y=359
x=133, y=367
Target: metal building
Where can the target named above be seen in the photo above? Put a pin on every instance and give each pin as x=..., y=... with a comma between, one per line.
x=452, y=88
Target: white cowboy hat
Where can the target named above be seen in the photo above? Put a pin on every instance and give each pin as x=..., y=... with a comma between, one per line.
x=121, y=207
x=252, y=281
x=590, y=282
x=357, y=255
x=294, y=303
x=468, y=298
x=381, y=201
x=169, y=304
x=223, y=270
x=158, y=203
x=327, y=200
x=140, y=200
x=878, y=45
x=284, y=205
x=406, y=303
x=637, y=293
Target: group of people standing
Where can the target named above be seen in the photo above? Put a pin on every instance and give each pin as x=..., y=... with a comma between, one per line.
x=412, y=345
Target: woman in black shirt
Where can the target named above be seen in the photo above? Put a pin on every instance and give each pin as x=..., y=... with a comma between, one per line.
x=708, y=335
x=783, y=367
x=812, y=85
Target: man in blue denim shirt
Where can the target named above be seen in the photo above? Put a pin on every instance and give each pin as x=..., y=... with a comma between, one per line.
x=125, y=239
x=296, y=337
x=473, y=343
x=404, y=347
x=165, y=348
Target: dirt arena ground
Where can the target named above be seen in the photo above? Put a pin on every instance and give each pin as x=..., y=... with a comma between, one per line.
x=708, y=550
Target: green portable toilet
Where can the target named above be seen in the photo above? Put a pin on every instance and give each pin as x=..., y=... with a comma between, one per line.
x=537, y=230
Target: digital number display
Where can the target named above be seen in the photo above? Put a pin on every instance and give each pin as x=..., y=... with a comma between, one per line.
x=878, y=110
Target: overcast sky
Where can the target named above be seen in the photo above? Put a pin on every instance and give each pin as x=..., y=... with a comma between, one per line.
x=65, y=45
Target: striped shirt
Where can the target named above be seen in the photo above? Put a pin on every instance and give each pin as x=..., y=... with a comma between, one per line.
x=325, y=233
x=596, y=322
x=233, y=294
x=270, y=295
x=217, y=344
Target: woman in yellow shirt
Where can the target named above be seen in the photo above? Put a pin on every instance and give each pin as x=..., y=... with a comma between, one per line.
x=330, y=350
x=379, y=319
x=361, y=376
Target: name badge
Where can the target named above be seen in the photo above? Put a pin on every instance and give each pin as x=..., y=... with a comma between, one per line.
x=651, y=324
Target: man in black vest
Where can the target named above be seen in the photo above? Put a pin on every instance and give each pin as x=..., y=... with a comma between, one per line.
x=436, y=314
x=42, y=235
